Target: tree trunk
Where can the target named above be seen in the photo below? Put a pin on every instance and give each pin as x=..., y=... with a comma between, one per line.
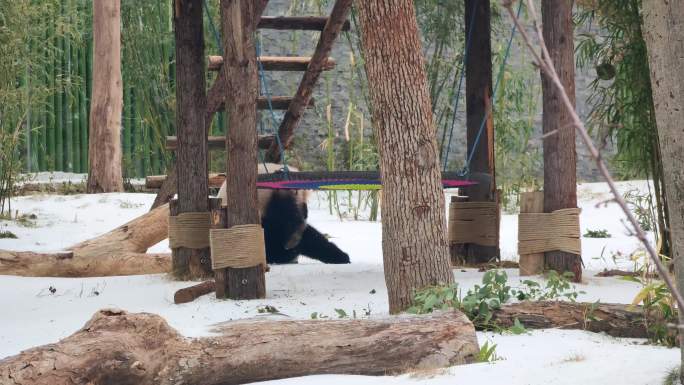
x=414, y=237
x=192, y=159
x=116, y=347
x=478, y=108
x=104, y=145
x=240, y=68
x=118, y=252
x=664, y=35
x=560, y=179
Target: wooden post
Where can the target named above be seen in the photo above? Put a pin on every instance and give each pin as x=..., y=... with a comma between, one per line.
x=191, y=103
x=478, y=105
x=560, y=180
x=104, y=142
x=532, y=202
x=240, y=70
x=457, y=251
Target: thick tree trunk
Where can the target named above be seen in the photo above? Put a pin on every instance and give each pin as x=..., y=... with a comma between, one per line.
x=116, y=347
x=560, y=174
x=191, y=104
x=104, y=144
x=240, y=70
x=414, y=237
x=478, y=107
x=664, y=35
x=118, y=252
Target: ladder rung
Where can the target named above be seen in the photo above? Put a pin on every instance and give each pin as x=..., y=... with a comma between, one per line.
x=304, y=23
x=219, y=142
x=276, y=63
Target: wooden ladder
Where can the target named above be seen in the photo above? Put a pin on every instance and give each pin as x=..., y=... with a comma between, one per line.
x=312, y=67
x=294, y=106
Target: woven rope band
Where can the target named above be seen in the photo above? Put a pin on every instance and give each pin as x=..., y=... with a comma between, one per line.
x=474, y=222
x=237, y=247
x=189, y=230
x=540, y=232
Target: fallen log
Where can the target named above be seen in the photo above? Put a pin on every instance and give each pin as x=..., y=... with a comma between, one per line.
x=624, y=273
x=116, y=347
x=617, y=320
x=118, y=252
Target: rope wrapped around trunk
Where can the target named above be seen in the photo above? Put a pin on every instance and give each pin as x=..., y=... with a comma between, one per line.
x=190, y=230
x=541, y=232
x=238, y=247
x=474, y=222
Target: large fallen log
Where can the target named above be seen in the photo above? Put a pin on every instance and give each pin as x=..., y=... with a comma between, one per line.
x=116, y=347
x=118, y=252
x=617, y=320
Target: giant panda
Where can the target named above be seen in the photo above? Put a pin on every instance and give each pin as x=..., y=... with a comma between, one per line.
x=286, y=232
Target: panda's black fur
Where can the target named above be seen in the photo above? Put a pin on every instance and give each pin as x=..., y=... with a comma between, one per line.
x=286, y=232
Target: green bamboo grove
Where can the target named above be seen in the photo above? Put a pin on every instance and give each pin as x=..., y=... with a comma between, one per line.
x=48, y=78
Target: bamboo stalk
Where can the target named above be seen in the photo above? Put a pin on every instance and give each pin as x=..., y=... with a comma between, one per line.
x=59, y=107
x=68, y=102
x=42, y=145
x=52, y=102
x=137, y=134
x=145, y=134
x=89, y=91
x=76, y=111
x=83, y=104
x=126, y=123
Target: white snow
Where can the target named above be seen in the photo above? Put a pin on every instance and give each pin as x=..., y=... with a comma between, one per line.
x=32, y=315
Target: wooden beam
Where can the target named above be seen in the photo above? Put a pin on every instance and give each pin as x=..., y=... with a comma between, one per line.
x=277, y=102
x=560, y=158
x=277, y=63
x=156, y=181
x=317, y=65
x=478, y=108
x=304, y=23
x=192, y=153
x=219, y=142
x=216, y=98
x=531, y=264
x=240, y=68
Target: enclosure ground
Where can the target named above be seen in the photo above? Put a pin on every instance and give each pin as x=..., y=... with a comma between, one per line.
x=43, y=310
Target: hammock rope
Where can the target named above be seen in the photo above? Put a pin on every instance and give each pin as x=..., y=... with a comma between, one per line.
x=466, y=49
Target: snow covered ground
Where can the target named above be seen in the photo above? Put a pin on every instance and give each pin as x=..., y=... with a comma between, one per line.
x=33, y=315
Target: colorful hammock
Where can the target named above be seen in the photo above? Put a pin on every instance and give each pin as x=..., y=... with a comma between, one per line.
x=341, y=180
